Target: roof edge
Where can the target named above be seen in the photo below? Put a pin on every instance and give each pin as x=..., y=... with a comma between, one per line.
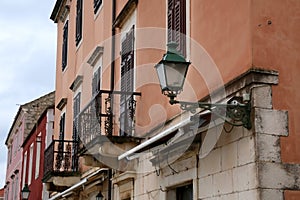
x=55, y=11
x=19, y=112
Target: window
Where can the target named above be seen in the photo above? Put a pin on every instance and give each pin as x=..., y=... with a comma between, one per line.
x=30, y=164
x=24, y=169
x=61, y=132
x=62, y=127
x=177, y=24
x=97, y=4
x=15, y=144
x=16, y=187
x=181, y=193
x=38, y=155
x=127, y=78
x=59, y=157
x=12, y=187
x=60, y=153
x=96, y=81
x=76, y=111
x=78, y=21
x=7, y=192
x=65, y=46
x=9, y=155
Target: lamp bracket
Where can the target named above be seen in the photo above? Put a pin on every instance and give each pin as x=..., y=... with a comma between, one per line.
x=235, y=112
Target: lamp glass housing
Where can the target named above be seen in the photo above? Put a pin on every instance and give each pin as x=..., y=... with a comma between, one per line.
x=172, y=70
x=25, y=192
x=99, y=196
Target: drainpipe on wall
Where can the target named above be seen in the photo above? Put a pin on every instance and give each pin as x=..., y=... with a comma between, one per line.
x=113, y=41
x=112, y=85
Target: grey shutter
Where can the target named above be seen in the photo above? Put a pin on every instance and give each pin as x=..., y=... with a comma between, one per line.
x=75, y=136
x=76, y=111
x=65, y=46
x=97, y=4
x=78, y=21
x=96, y=81
x=61, y=139
x=127, y=78
x=62, y=127
x=170, y=20
x=177, y=24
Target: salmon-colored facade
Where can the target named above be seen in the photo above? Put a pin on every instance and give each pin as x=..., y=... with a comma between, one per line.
x=107, y=48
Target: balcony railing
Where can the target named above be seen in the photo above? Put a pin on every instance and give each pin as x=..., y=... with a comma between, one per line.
x=96, y=118
x=60, y=159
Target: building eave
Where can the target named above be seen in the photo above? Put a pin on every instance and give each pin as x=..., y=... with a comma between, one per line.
x=36, y=124
x=56, y=10
x=21, y=109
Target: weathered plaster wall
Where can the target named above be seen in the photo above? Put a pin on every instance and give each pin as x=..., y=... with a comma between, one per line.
x=276, y=45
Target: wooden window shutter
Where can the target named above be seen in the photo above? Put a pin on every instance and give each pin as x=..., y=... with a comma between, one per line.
x=96, y=81
x=65, y=46
x=170, y=20
x=76, y=111
x=76, y=105
x=78, y=21
x=127, y=64
x=177, y=24
x=75, y=136
x=61, y=135
x=127, y=82
x=62, y=127
x=97, y=4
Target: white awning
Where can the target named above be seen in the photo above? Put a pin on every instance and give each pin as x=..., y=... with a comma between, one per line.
x=80, y=183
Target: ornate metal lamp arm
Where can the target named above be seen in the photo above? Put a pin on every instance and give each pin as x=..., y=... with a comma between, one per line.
x=234, y=113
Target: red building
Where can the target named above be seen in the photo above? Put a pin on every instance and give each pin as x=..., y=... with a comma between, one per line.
x=33, y=156
x=1, y=193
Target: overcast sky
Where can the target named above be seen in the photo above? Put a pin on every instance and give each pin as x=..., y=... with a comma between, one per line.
x=27, y=60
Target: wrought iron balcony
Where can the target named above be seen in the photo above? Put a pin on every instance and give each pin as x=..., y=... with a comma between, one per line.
x=95, y=121
x=61, y=159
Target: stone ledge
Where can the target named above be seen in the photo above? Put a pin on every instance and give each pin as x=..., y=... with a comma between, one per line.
x=279, y=176
x=273, y=122
x=252, y=77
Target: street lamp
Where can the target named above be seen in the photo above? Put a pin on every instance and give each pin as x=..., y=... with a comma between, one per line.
x=25, y=192
x=172, y=71
x=99, y=196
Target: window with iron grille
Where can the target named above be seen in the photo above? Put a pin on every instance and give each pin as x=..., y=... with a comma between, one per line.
x=65, y=46
x=96, y=81
x=127, y=78
x=97, y=4
x=177, y=24
x=79, y=21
